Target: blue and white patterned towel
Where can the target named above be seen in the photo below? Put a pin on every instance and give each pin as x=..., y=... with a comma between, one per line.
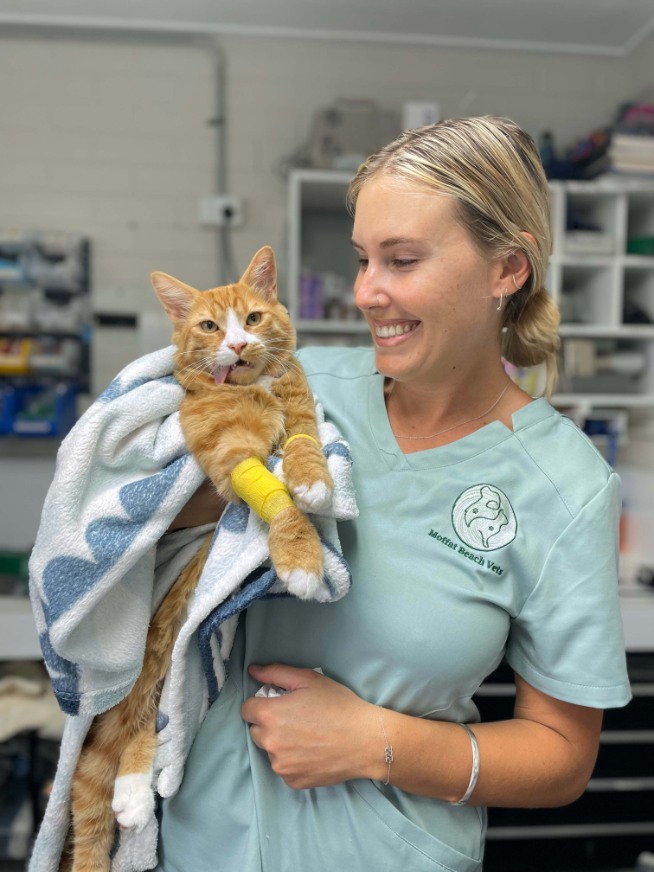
x=100, y=567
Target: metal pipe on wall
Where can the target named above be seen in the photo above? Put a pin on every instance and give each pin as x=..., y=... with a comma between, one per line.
x=117, y=31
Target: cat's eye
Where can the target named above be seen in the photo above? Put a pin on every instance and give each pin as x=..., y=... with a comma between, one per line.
x=208, y=326
x=253, y=318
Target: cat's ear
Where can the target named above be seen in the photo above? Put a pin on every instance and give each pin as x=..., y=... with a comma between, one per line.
x=176, y=297
x=261, y=275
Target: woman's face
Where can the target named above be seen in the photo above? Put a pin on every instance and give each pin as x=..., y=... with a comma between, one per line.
x=429, y=296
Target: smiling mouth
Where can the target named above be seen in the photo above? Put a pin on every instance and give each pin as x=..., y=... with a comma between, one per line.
x=388, y=331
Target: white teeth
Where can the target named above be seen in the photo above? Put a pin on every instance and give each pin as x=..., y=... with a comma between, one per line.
x=393, y=330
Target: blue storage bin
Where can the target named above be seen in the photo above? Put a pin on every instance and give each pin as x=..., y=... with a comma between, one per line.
x=7, y=406
x=38, y=410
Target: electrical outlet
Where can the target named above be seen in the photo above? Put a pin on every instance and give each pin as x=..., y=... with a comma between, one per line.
x=221, y=210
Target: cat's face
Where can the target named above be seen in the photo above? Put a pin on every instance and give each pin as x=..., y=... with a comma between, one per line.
x=236, y=334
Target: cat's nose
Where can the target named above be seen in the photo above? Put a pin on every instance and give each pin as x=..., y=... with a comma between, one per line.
x=238, y=347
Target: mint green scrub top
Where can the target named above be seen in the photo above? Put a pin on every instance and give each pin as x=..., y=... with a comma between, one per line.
x=500, y=544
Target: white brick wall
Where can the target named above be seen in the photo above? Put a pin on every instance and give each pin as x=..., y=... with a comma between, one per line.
x=111, y=139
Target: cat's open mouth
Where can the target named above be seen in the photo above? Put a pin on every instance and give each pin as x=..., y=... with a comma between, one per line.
x=221, y=373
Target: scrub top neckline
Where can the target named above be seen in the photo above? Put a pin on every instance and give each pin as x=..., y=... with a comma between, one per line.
x=455, y=452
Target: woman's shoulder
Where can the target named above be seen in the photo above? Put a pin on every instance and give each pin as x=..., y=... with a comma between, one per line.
x=337, y=362
x=560, y=451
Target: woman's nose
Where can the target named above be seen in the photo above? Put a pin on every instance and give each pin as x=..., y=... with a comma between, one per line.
x=367, y=293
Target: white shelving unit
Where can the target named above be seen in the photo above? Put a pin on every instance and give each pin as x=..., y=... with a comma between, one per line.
x=605, y=293
x=321, y=263
x=607, y=355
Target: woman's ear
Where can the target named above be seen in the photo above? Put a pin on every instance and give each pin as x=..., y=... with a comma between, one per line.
x=517, y=267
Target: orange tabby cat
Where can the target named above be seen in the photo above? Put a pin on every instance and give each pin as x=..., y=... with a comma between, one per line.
x=246, y=394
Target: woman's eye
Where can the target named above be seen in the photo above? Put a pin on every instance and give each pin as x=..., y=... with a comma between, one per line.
x=208, y=326
x=404, y=261
x=253, y=318
x=363, y=262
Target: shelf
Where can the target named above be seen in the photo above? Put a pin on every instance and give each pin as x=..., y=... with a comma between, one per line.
x=608, y=184
x=599, y=331
x=45, y=330
x=323, y=325
x=18, y=637
x=613, y=401
x=637, y=261
x=637, y=607
x=323, y=189
x=596, y=284
x=599, y=261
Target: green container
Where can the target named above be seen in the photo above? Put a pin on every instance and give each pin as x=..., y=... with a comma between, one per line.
x=641, y=245
x=13, y=564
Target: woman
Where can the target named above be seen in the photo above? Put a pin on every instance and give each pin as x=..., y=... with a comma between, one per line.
x=487, y=529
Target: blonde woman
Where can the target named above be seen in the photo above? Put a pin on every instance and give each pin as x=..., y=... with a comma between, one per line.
x=487, y=530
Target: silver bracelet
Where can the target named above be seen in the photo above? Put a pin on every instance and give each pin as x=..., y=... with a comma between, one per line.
x=388, y=751
x=474, y=774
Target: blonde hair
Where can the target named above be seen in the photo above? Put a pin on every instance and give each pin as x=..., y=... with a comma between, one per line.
x=492, y=170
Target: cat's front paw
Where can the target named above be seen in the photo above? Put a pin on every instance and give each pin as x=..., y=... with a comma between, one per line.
x=313, y=498
x=300, y=583
x=133, y=802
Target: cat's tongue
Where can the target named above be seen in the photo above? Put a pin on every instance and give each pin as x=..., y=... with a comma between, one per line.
x=219, y=374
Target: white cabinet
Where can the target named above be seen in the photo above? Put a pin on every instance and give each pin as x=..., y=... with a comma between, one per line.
x=321, y=263
x=602, y=278
x=601, y=275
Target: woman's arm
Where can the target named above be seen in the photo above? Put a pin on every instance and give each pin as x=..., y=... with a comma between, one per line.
x=543, y=757
x=204, y=507
x=322, y=734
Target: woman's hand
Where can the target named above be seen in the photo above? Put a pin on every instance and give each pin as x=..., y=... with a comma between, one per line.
x=320, y=733
x=317, y=734
x=204, y=507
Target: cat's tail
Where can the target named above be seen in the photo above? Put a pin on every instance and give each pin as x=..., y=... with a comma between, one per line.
x=94, y=824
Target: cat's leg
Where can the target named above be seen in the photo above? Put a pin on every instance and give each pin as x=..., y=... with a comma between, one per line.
x=307, y=475
x=305, y=467
x=296, y=552
x=133, y=798
x=93, y=821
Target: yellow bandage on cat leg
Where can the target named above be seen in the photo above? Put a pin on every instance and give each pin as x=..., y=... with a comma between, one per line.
x=264, y=493
x=300, y=436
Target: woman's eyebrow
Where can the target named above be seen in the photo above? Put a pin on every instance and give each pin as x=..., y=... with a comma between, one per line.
x=393, y=240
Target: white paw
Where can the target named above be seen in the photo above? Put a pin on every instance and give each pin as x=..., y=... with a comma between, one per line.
x=302, y=584
x=313, y=498
x=133, y=802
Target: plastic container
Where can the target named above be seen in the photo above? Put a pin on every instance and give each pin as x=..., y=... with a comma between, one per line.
x=38, y=411
x=643, y=245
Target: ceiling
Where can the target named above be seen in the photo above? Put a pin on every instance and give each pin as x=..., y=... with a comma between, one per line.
x=601, y=27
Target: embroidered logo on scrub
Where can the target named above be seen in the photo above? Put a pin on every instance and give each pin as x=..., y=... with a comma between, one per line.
x=484, y=518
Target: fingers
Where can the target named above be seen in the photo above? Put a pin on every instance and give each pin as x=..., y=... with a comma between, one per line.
x=286, y=677
x=256, y=709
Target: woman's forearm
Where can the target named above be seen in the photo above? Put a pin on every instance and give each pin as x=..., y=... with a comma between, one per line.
x=321, y=733
x=543, y=757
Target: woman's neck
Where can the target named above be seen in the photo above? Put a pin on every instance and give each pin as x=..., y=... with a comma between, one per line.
x=424, y=417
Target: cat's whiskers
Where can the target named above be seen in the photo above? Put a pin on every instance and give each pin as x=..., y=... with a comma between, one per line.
x=197, y=366
x=272, y=362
